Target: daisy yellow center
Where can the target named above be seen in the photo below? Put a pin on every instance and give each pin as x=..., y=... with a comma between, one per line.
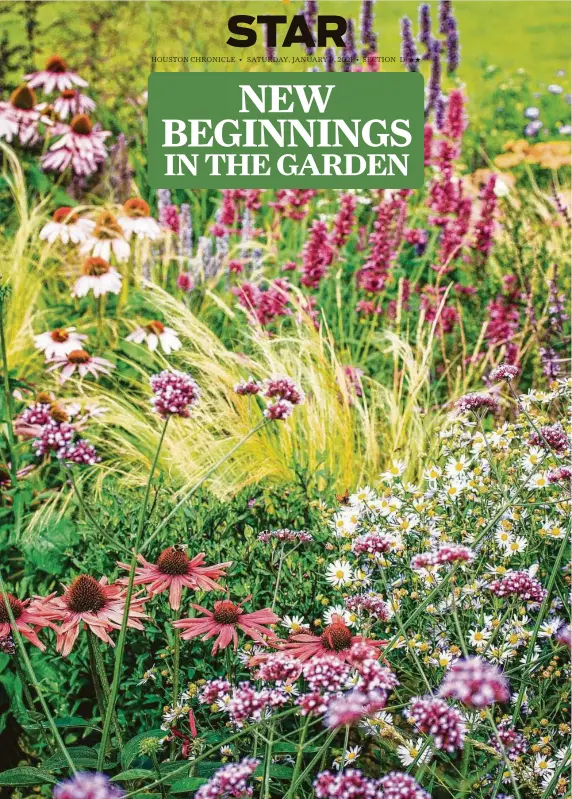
x=23, y=98
x=78, y=356
x=81, y=124
x=226, y=612
x=95, y=267
x=60, y=334
x=56, y=63
x=173, y=561
x=155, y=327
x=136, y=208
x=336, y=637
x=16, y=606
x=107, y=227
x=85, y=595
x=65, y=215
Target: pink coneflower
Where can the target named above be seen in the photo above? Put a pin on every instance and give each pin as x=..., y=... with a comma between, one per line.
x=87, y=785
x=56, y=75
x=520, y=584
x=66, y=226
x=80, y=361
x=174, y=571
x=477, y=403
x=176, y=393
x=95, y=605
x=71, y=102
x=81, y=146
x=106, y=238
x=97, y=276
x=137, y=220
x=336, y=640
x=223, y=622
x=398, y=785
x=504, y=371
x=475, y=683
x=30, y=616
x=155, y=333
x=20, y=116
x=232, y=780
x=432, y=716
x=59, y=342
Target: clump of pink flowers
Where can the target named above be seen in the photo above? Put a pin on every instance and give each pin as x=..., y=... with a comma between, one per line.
x=286, y=536
x=504, y=371
x=88, y=785
x=477, y=403
x=520, y=584
x=176, y=393
x=316, y=255
x=432, y=716
x=551, y=435
x=231, y=780
x=475, y=683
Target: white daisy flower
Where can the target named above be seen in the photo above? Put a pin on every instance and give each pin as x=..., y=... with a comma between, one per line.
x=394, y=471
x=294, y=624
x=347, y=616
x=409, y=752
x=339, y=573
x=155, y=333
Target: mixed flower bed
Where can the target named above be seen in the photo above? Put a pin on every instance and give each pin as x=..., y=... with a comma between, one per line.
x=285, y=476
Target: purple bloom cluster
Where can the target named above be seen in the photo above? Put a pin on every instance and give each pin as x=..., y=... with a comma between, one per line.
x=510, y=741
x=352, y=784
x=371, y=603
x=432, y=716
x=521, y=584
x=55, y=437
x=87, y=785
x=248, y=387
x=232, y=780
x=398, y=785
x=279, y=668
x=286, y=536
x=553, y=435
x=503, y=372
x=448, y=553
x=175, y=393
x=373, y=543
x=477, y=403
x=82, y=453
x=408, y=49
x=475, y=683
x=326, y=673
x=213, y=690
x=563, y=474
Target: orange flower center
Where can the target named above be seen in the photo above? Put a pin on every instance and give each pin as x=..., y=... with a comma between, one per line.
x=56, y=63
x=135, y=207
x=226, y=612
x=85, y=595
x=79, y=356
x=60, y=334
x=155, y=327
x=69, y=94
x=95, y=267
x=81, y=124
x=65, y=214
x=17, y=609
x=23, y=98
x=336, y=637
x=107, y=227
x=173, y=561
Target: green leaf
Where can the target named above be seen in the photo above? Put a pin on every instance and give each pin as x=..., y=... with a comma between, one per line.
x=26, y=775
x=133, y=774
x=81, y=756
x=187, y=784
x=131, y=748
x=278, y=772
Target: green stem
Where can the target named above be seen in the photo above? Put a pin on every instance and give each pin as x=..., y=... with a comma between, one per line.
x=280, y=562
x=102, y=674
x=79, y=495
x=268, y=761
x=300, y=752
x=34, y=680
x=195, y=488
x=345, y=749
x=94, y=675
x=176, y=666
x=18, y=499
x=158, y=773
x=123, y=631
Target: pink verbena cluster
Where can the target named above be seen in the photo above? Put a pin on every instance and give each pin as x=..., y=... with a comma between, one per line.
x=553, y=436
x=475, y=683
x=448, y=553
x=81, y=453
x=352, y=784
x=398, y=785
x=326, y=673
x=510, y=742
x=229, y=781
x=284, y=394
x=86, y=785
x=477, y=403
x=432, y=716
x=279, y=668
x=213, y=690
x=54, y=437
x=247, y=388
x=175, y=393
x=504, y=371
x=286, y=536
x=373, y=543
x=371, y=603
x=520, y=584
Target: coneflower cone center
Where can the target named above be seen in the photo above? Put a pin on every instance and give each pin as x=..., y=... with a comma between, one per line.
x=136, y=208
x=336, y=637
x=78, y=356
x=155, y=327
x=65, y=215
x=173, y=562
x=226, y=612
x=69, y=94
x=60, y=334
x=95, y=267
x=85, y=595
x=56, y=63
x=107, y=227
x=81, y=124
x=16, y=606
x=23, y=98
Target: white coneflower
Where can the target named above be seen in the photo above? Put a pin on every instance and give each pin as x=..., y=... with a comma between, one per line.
x=155, y=333
x=136, y=220
x=56, y=75
x=107, y=238
x=97, y=276
x=66, y=226
x=80, y=361
x=58, y=342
